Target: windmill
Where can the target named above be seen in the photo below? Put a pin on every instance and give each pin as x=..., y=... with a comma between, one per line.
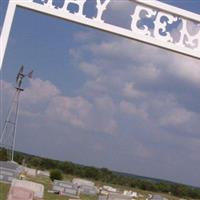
x=8, y=136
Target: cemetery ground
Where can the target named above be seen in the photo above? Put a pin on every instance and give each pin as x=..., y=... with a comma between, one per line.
x=4, y=188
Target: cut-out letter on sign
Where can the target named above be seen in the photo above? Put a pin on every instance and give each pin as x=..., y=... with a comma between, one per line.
x=162, y=26
x=136, y=17
x=79, y=3
x=187, y=39
x=100, y=9
x=49, y=3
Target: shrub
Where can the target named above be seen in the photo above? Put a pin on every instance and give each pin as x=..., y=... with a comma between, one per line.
x=56, y=174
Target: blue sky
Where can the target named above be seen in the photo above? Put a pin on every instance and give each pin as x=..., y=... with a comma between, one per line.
x=98, y=99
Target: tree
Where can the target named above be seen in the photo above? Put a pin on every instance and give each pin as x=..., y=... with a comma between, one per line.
x=56, y=174
x=3, y=154
x=67, y=167
x=35, y=162
x=92, y=172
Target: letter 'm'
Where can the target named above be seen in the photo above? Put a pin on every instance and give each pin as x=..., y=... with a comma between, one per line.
x=190, y=39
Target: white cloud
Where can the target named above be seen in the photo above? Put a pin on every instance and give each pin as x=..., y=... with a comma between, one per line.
x=185, y=68
x=43, y=101
x=167, y=112
x=130, y=91
x=193, y=145
x=6, y=94
x=142, y=151
x=73, y=110
x=105, y=102
x=124, y=68
x=97, y=116
x=131, y=109
x=151, y=63
x=127, y=49
x=148, y=72
x=95, y=87
x=40, y=91
x=6, y=88
x=90, y=69
x=176, y=117
x=105, y=110
x=83, y=36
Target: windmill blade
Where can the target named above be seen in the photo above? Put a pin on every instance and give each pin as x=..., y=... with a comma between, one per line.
x=17, y=77
x=21, y=69
x=30, y=74
x=20, y=72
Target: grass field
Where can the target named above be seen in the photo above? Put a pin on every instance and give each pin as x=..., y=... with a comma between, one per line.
x=4, y=188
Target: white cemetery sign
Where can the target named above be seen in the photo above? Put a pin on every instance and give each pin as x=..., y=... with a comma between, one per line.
x=180, y=39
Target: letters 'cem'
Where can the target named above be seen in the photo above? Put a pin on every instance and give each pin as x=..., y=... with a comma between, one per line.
x=160, y=26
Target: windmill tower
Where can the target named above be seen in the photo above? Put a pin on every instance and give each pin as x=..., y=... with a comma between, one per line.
x=7, y=139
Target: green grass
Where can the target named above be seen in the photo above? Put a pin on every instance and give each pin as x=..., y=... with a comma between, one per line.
x=4, y=188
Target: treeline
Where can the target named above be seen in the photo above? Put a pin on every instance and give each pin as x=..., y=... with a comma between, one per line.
x=105, y=175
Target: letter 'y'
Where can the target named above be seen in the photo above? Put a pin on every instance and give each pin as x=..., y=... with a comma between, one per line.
x=100, y=8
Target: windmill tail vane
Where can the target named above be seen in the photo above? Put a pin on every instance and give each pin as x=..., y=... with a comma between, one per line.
x=30, y=74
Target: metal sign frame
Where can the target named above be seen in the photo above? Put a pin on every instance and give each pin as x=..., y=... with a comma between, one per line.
x=97, y=23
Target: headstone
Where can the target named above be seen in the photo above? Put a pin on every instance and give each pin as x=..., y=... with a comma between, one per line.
x=37, y=188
